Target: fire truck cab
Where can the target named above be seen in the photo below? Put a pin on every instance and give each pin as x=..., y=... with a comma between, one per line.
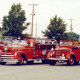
x=67, y=51
x=28, y=50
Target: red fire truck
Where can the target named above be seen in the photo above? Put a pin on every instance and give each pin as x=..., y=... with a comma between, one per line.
x=67, y=51
x=28, y=50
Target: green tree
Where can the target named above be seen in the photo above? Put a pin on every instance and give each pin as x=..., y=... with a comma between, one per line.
x=75, y=36
x=56, y=28
x=13, y=24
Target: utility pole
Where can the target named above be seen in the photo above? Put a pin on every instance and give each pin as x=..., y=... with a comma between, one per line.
x=71, y=27
x=36, y=29
x=32, y=17
x=79, y=38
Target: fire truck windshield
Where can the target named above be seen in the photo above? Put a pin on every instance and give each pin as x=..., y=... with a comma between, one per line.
x=7, y=40
x=65, y=43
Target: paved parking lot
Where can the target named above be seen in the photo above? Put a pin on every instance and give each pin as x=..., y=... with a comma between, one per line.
x=39, y=72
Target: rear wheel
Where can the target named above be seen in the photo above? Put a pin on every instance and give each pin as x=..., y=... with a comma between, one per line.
x=71, y=61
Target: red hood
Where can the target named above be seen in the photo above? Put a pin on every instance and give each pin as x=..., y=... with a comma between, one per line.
x=12, y=48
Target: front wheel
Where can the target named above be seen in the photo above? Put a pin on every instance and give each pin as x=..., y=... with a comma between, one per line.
x=21, y=60
x=71, y=61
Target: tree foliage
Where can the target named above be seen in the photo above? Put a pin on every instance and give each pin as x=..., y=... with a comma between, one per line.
x=75, y=36
x=13, y=24
x=56, y=28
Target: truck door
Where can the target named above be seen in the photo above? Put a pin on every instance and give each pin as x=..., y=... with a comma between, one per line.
x=30, y=50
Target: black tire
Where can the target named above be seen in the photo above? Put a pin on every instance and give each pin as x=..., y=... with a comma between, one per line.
x=52, y=62
x=21, y=60
x=2, y=63
x=71, y=61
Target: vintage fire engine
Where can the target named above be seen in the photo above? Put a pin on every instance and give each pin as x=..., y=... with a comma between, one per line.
x=67, y=51
x=28, y=50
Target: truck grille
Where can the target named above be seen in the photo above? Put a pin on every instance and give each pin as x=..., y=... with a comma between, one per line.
x=58, y=54
x=7, y=56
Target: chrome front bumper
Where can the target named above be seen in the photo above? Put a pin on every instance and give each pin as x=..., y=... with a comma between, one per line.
x=8, y=58
x=58, y=59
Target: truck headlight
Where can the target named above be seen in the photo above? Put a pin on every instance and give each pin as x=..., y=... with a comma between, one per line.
x=5, y=49
x=15, y=54
x=51, y=54
x=62, y=55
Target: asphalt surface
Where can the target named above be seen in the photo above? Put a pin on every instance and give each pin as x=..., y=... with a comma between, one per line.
x=39, y=71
